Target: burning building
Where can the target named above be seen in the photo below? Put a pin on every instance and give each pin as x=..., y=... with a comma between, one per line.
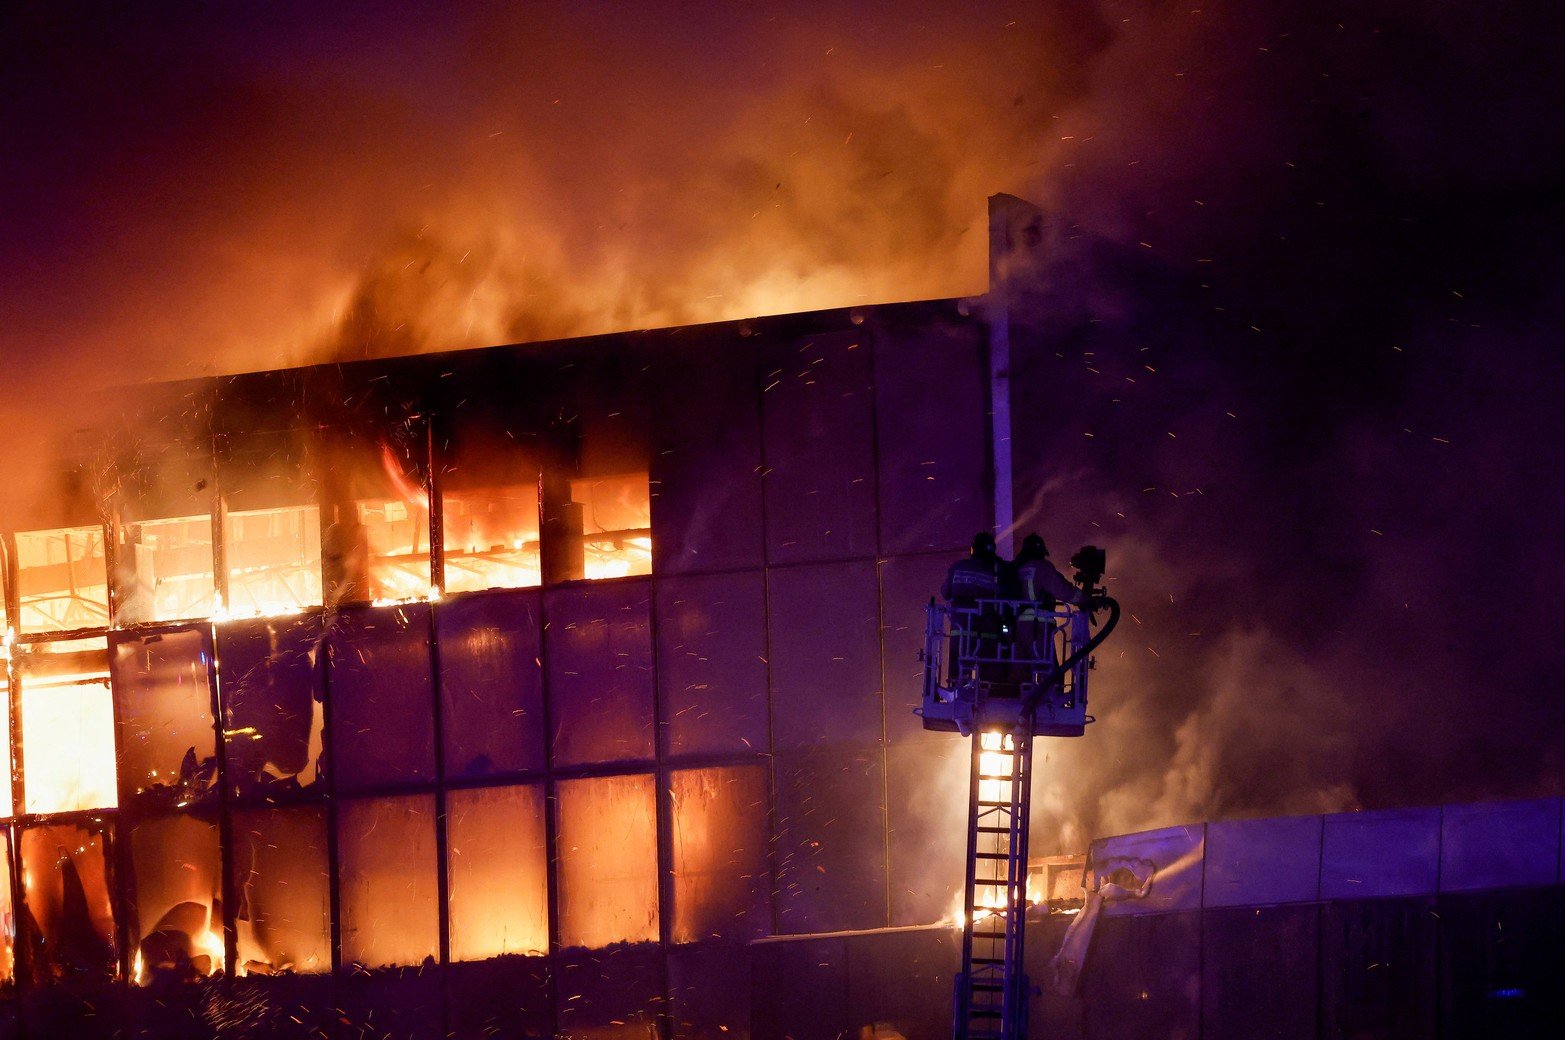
x=517, y=691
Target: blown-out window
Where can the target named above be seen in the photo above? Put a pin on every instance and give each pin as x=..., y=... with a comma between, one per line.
x=271, y=524
x=616, y=524
x=62, y=579
x=163, y=570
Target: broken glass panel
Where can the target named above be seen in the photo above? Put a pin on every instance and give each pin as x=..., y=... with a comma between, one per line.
x=176, y=891
x=491, y=684
x=68, y=917
x=282, y=890
x=387, y=884
x=600, y=672
x=273, y=714
x=382, y=703
x=496, y=856
x=67, y=727
x=608, y=861
x=168, y=750
x=62, y=579
x=721, y=874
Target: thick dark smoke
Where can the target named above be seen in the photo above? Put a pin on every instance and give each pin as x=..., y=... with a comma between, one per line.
x=1296, y=360
x=1303, y=295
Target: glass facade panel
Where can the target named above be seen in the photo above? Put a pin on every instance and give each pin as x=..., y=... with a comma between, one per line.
x=382, y=704
x=819, y=434
x=168, y=749
x=273, y=709
x=721, y=874
x=712, y=663
x=491, y=683
x=706, y=460
x=176, y=890
x=600, y=672
x=69, y=918
x=825, y=654
x=831, y=842
x=496, y=856
x=611, y=994
x=62, y=579
x=67, y=727
x=906, y=585
x=931, y=437
x=608, y=861
x=387, y=882
x=7, y=912
x=282, y=891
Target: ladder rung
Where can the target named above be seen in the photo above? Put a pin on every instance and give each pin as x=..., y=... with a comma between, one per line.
x=983, y=1013
x=988, y=960
x=994, y=830
x=992, y=987
x=993, y=855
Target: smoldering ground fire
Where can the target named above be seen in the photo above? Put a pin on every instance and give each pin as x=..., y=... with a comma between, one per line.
x=1289, y=354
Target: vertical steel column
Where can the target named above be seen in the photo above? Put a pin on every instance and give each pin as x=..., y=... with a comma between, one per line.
x=880, y=621
x=329, y=795
x=551, y=818
x=442, y=849
x=664, y=795
x=759, y=388
x=225, y=822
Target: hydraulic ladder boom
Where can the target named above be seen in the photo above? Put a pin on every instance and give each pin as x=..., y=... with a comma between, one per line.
x=1002, y=672
x=991, y=990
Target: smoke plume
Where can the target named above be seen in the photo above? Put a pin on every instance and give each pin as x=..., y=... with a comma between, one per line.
x=1295, y=362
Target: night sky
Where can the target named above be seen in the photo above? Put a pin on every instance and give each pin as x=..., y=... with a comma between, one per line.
x=1323, y=239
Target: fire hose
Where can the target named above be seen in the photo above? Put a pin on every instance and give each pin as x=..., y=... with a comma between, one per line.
x=1070, y=662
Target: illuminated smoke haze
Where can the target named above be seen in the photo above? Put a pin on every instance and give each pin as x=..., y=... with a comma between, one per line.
x=1303, y=294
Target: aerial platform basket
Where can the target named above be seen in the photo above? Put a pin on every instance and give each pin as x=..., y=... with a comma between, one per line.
x=999, y=663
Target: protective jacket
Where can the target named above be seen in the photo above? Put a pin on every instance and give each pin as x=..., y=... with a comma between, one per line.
x=1042, y=583
x=979, y=577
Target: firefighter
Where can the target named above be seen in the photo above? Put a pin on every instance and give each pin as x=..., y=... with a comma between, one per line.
x=982, y=575
x=1040, y=581
x=1045, y=587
